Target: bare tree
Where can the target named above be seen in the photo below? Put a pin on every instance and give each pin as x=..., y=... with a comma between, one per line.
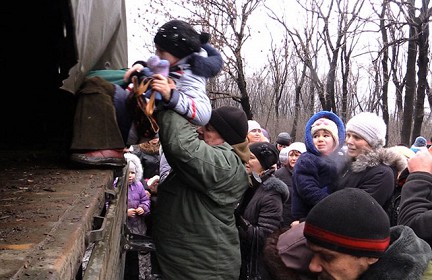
x=279, y=60
x=227, y=21
x=422, y=25
x=417, y=62
x=305, y=49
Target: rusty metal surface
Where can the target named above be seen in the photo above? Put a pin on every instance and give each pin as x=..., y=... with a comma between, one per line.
x=46, y=210
x=108, y=257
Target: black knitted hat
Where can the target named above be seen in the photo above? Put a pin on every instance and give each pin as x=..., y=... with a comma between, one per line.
x=231, y=123
x=266, y=153
x=349, y=221
x=178, y=38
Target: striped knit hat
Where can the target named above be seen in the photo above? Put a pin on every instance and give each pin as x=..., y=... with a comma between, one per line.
x=349, y=221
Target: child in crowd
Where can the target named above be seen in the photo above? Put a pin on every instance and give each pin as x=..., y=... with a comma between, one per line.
x=316, y=169
x=100, y=136
x=191, y=59
x=138, y=201
x=288, y=158
x=138, y=208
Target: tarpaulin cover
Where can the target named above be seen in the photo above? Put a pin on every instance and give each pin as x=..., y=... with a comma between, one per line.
x=101, y=38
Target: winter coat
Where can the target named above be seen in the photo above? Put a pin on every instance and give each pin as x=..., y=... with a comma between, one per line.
x=416, y=205
x=95, y=124
x=195, y=231
x=312, y=179
x=189, y=98
x=313, y=173
x=149, y=156
x=263, y=209
x=285, y=174
x=407, y=257
x=375, y=172
x=137, y=197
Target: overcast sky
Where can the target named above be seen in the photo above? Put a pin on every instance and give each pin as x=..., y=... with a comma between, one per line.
x=255, y=50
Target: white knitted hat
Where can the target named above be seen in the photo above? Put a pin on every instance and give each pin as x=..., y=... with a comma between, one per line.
x=370, y=127
x=296, y=146
x=253, y=125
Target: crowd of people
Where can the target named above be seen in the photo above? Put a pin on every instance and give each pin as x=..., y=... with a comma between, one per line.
x=222, y=201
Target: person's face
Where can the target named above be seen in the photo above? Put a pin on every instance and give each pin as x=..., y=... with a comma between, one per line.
x=355, y=145
x=131, y=177
x=166, y=55
x=324, y=142
x=255, y=135
x=154, y=141
x=292, y=157
x=210, y=135
x=254, y=165
x=280, y=146
x=332, y=265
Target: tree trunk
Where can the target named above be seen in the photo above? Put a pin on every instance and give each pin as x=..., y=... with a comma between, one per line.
x=410, y=78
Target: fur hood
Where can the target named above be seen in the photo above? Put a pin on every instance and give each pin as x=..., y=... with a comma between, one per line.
x=134, y=159
x=273, y=183
x=379, y=156
x=149, y=148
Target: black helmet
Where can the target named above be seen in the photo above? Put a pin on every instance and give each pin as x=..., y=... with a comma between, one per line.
x=283, y=139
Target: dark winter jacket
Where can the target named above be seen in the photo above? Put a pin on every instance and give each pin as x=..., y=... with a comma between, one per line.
x=375, y=172
x=263, y=208
x=150, y=158
x=314, y=173
x=285, y=174
x=195, y=231
x=407, y=257
x=416, y=205
x=312, y=179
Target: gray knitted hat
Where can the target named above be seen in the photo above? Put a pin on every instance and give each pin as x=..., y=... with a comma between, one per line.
x=370, y=127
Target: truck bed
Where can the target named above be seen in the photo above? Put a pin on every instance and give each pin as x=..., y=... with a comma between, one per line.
x=50, y=212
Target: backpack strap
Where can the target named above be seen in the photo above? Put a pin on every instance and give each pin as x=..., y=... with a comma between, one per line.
x=146, y=106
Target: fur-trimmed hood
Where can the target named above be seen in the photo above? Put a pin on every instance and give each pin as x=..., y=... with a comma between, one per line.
x=273, y=183
x=133, y=159
x=384, y=156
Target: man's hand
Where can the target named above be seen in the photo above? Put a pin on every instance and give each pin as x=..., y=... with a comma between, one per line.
x=136, y=68
x=420, y=162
